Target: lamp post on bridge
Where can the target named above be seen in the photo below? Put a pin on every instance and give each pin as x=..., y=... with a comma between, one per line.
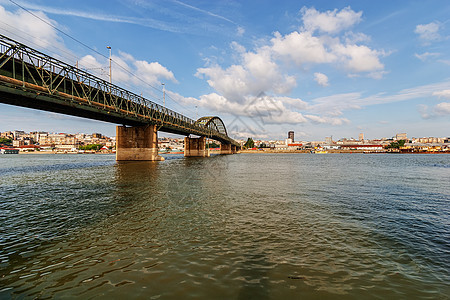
x=110, y=71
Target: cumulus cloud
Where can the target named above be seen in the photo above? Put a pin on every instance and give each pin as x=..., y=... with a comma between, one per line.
x=153, y=72
x=321, y=79
x=443, y=108
x=358, y=58
x=267, y=67
x=331, y=21
x=301, y=47
x=262, y=70
x=257, y=72
x=440, y=110
x=28, y=29
x=124, y=66
x=445, y=94
x=428, y=32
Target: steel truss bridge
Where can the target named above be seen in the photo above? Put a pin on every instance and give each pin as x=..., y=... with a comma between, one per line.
x=32, y=79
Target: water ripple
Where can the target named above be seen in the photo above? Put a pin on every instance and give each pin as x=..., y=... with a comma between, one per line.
x=234, y=227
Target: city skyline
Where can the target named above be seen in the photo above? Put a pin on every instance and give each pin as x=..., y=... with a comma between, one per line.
x=361, y=136
x=335, y=68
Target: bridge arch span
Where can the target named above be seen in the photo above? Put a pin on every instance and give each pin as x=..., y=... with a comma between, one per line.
x=214, y=123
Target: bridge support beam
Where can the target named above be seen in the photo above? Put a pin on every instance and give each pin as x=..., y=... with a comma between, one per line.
x=137, y=143
x=234, y=149
x=195, y=147
x=225, y=149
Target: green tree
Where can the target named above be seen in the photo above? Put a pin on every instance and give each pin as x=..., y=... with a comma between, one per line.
x=262, y=145
x=397, y=144
x=213, y=145
x=95, y=147
x=249, y=143
x=5, y=141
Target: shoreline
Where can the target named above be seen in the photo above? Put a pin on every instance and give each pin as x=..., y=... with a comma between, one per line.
x=338, y=151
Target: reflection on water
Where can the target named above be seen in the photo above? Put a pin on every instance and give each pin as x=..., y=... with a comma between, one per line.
x=231, y=227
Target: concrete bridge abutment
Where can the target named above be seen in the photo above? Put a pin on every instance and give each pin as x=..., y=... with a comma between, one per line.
x=195, y=147
x=137, y=143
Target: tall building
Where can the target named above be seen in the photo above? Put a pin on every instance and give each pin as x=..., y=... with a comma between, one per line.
x=400, y=136
x=291, y=135
x=361, y=136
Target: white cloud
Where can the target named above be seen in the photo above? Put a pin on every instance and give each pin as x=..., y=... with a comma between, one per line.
x=338, y=103
x=305, y=48
x=301, y=47
x=126, y=69
x=440, y=110
x=204, y=11
x=353, y=38
x=28, y=29
x=257, y=73
x=358, y=58
x=443, y=108
x=240, y=31
x=264, y=69
x=294, y=103
x=328, y=120
x=321, y=79
x=424, y=56
x=445, y=94
x=428, y=32
x=153, y=72
x=264, y=109
x=331, y=22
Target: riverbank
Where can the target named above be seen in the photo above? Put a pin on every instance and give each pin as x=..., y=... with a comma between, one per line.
x=268, y=151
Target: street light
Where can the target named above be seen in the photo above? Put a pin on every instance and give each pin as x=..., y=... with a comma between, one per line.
x=110, y=71
x=164, y=94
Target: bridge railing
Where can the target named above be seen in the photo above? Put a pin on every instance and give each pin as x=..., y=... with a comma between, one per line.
x=53, y=74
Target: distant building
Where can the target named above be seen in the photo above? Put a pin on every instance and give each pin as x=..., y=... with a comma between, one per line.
x=400, y=136
x=361, y=136
x=291, y=136
x=17, y=143
x=329, y=140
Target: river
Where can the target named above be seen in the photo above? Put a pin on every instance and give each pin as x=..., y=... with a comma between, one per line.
x=246, y=226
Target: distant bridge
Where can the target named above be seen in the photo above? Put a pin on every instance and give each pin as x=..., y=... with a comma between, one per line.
x=29, y=78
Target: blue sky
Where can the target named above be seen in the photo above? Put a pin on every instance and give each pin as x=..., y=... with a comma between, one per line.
x=320, y=68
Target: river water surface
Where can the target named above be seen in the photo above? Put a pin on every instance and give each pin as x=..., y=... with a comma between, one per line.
x=246, y=226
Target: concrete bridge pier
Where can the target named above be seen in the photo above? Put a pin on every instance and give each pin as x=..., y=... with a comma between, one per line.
x=226, y=149
x=234, y=149
x=195, y=147
x=137, y=143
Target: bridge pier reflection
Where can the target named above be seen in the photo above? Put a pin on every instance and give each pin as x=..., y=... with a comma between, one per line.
x=137, y=143
x=195, y=147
